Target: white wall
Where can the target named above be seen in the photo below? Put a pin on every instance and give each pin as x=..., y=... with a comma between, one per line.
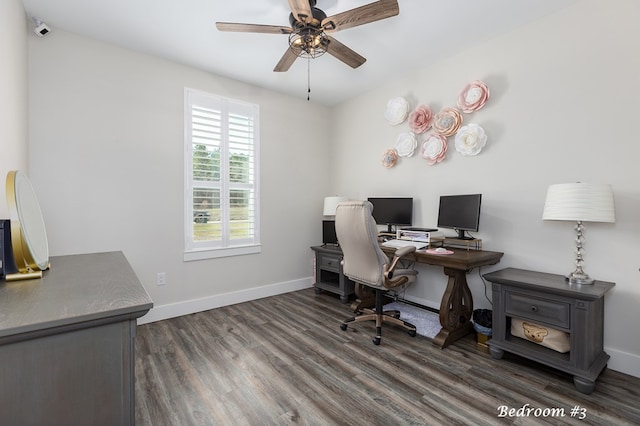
x=563, y=108
x=107, y=159
x=13, y=93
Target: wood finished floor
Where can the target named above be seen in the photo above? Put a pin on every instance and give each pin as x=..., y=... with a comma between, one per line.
x=284, y=360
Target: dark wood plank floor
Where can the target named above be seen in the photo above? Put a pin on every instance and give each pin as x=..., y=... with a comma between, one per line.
x=284, y=360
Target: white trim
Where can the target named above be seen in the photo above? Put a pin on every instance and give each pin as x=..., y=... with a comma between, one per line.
x=421, y=301
x=221, y=252
x=159, y=313
x=624, y=362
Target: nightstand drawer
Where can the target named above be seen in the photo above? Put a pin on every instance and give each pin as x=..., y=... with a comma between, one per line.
x=551, y=312
x=329, y=262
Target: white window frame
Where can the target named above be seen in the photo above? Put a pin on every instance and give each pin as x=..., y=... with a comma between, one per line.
x=198, y=250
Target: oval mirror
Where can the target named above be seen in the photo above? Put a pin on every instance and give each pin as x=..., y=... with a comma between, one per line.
x=28, y=233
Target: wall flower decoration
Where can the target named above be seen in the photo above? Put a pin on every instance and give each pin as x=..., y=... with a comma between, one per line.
x=397, y=111
x=470, y=139
x=389, y=158
x=473, y=96
x=406, y=144
x=447, y=122
x=420, y=119
x=434, y=149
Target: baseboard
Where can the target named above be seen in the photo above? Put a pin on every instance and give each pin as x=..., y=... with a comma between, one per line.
x=187, y=307
x=433, y=306
x=624, y=362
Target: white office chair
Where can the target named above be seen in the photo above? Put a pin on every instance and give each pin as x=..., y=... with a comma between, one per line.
x=365, y=263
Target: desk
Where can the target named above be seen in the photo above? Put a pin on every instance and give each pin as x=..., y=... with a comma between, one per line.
x=456, y=307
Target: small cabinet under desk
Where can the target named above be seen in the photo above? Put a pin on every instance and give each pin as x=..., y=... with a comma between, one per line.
x=549, y=300
x=328, y=272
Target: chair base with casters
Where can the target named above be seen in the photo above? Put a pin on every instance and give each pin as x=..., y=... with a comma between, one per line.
x=380, y=316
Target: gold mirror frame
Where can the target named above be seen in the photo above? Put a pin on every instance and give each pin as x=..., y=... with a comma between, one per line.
x=28, y=233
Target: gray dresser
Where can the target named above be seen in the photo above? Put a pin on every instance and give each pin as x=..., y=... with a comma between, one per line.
x=67, y=343
x=548, y=299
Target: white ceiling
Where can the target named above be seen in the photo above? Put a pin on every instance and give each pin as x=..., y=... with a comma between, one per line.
x=184, y=31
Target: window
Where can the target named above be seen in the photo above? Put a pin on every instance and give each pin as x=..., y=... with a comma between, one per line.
x=221, y=162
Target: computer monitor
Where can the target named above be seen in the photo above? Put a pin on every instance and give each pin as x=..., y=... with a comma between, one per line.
x=460, y=212
x=329, y=236
x=392, y=211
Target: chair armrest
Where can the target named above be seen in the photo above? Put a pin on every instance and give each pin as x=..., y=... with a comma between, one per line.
x=399, y=277
x=402, y=251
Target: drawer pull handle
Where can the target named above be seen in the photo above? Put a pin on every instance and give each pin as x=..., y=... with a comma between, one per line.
x=534, y=308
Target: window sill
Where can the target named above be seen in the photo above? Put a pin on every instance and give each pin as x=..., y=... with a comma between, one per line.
x=203, y=254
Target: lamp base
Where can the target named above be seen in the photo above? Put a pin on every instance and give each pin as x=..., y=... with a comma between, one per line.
x=579, y=278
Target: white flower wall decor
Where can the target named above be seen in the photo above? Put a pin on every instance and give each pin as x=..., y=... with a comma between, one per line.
x=434, y=149
x=406, y=144
x=430, y=132
x=397, y=111
x=470, y=139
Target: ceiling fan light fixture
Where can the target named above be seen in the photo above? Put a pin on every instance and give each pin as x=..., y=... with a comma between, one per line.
x=308, y=28
x=308, y=42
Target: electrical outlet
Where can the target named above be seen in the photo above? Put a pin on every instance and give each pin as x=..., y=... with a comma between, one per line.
x=161, y=278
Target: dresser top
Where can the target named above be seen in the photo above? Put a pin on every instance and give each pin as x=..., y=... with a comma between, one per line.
x=76, y=289
x=551, y=283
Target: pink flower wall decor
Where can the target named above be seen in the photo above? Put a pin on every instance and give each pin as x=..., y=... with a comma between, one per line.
x=420, y=119
x=389, y=158
x=473, y=96
x=434, y=149
x=447, y=122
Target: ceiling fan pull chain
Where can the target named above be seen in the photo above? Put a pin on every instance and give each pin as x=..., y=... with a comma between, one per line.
x=308, y=78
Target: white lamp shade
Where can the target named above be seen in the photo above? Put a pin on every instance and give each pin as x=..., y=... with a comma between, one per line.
x=585, y=202
x=330, y=205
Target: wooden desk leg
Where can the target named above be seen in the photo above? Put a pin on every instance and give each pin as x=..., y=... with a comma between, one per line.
x=456, y=309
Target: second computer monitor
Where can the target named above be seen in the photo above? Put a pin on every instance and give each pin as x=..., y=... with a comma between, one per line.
x=460, y=212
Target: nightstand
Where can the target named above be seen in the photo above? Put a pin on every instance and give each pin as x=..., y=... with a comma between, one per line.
x=329, y=275
x=549, y=300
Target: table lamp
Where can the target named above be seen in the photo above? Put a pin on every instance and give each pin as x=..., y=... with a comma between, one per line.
x=579, y=202
x=330, y=205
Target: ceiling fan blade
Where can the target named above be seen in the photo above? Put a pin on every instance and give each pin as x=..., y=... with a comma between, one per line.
x=372, y=12
x=343, y=53
x=252, y=28
x=286, y=61
x=301, y=10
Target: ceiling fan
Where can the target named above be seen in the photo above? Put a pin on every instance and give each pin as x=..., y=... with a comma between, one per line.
x=309, y=27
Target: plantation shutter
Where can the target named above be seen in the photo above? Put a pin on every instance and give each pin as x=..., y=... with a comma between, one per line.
x=223, y=202
x=241, y=174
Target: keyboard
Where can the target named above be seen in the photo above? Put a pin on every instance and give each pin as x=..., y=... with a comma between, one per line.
x=404, y=243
